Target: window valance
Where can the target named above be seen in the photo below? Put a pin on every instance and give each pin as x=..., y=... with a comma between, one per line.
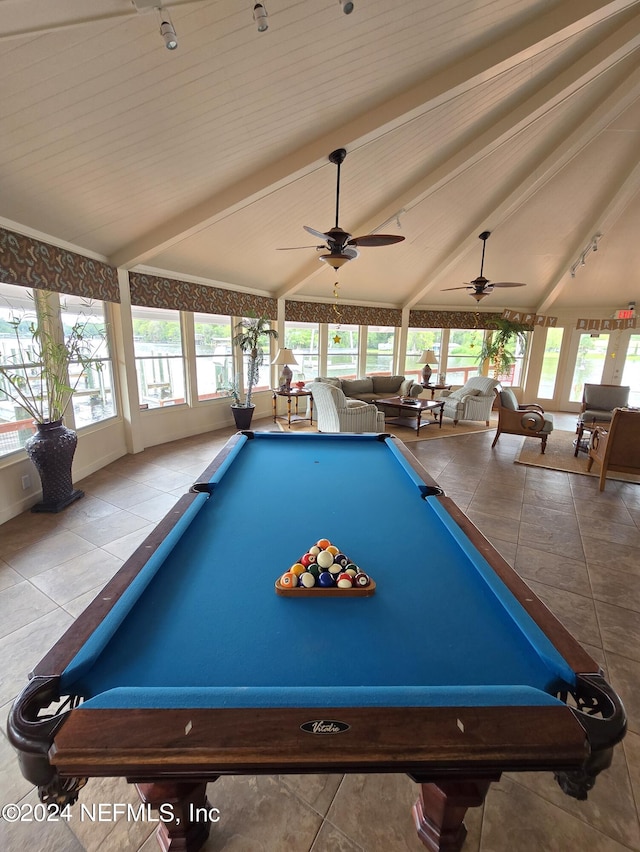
x=151, y=291
x=347, y=314
x=31, y=263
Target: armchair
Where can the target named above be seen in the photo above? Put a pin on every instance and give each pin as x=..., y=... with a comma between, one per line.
x=474, y=401
x=598, y=402
x=616, y=447
x=336, y=413
x=514, y=419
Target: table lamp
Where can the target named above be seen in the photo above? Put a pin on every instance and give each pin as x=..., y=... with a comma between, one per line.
x=428, y=357
x=283, y=358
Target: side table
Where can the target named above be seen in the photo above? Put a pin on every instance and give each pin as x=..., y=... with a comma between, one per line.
x=434, y=388
x=293, y=393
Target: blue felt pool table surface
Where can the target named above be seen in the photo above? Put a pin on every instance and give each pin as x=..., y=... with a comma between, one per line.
x=202, y=623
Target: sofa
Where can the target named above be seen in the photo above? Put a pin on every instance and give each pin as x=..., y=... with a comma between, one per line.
x=372, y=388
x=473, y=401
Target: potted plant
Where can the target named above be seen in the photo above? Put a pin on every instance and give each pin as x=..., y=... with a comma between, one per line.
x=36, y=378
x=495, y=345
x=250, y=336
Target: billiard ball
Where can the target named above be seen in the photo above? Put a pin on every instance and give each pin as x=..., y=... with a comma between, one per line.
x=313, y=570
x=332, y=549
x=315, y=550
x=323, y=543
x=289, y=580
x=361, y=579
x=344, y=581
x=307, y=580
x=324, y=559
x=351, y=571
x=305, y=560
x=326, y=579
x=335, y=569
x=298, y=568
x=341, y=559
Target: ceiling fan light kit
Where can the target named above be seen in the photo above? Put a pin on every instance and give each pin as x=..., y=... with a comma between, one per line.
x=481, y=286
x=339, y=246
x=260, y=17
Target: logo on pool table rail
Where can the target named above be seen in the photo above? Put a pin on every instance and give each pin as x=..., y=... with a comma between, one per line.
x=325, y=726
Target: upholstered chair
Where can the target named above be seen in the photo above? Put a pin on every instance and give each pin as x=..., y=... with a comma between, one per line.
x=473, y=401
x=529, y=420
x=335, y=413
x=598, y=402
x=616, y=446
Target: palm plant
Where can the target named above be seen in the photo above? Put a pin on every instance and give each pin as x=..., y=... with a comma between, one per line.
x=496, y=345
x=250, y=335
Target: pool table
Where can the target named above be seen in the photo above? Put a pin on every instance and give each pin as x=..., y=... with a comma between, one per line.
x=189, y=665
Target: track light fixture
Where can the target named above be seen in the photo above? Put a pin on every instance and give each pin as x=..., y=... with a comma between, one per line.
x=347, y=6
x=591, y=246
x=260, y=17
x=167, y=30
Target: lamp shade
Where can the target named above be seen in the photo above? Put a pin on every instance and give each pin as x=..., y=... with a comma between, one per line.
x=284, y=356
x=428, y=357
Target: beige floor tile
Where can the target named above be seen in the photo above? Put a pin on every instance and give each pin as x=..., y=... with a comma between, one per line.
x=624, y=677
x=124, y=547
x=111, y=528
x=156, y=508
x=553, y=569
x=318, y=791
x=620, y=629
x=20, y=605
x=576, y=612
x=376, y=812
x=98, y=826
x=604, y=552
x=51, y=550
x=8, y=577
x=517, y=819
x=610, y=806
x=331, y=839
x=88, y=510
x=631, y=748
x=49, y=836
x=259, y=813
x=13, y=787
x=22, y=649
x=79, y=575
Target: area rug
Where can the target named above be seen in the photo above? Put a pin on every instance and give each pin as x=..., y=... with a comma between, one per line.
x=405, y=434
x=559, y=456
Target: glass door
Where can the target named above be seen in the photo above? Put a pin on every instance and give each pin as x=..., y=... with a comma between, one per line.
x=631, y=367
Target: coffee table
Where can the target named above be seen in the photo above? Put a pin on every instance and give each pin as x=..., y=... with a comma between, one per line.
x=410, y=411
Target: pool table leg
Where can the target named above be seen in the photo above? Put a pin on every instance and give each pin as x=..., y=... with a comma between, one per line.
x=440, y=810
x=186, y=798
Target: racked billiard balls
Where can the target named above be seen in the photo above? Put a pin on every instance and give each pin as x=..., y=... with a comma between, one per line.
x=307, y=580
x=324, y=559
x=289, y=580
x=361, y=579
x=326, y=579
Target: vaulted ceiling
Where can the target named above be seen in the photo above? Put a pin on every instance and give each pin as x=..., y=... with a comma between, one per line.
x=520, y=117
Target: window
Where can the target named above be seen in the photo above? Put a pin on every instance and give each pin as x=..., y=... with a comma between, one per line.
x=419, y=339
x=303, y=338
x=214, y=354
x=342, y=351
x=93, y=398
x=264, y=368
x=592, y=353
x=157, y=343
x=462, y=354
x=549, y=372
x=631, y=372
x=15, y=422
x=379, y=360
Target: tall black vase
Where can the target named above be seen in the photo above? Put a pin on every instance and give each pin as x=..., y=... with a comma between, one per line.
x=51, y=450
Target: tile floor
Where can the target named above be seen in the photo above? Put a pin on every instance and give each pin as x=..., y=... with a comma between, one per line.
x=578, y=549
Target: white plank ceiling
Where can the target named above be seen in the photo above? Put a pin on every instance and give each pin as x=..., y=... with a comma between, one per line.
x=521, y=117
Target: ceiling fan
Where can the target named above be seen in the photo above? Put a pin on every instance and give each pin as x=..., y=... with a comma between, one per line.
x=339, y=246
x=481, y=286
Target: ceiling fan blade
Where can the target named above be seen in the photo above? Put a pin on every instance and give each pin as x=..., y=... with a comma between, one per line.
x=319, y=234
x=468, y=287
x=295, y=248
x=506, y=284
x=370, y=240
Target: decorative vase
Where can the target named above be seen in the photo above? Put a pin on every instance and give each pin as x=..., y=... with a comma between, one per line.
x=242, y=415
x=51, y=450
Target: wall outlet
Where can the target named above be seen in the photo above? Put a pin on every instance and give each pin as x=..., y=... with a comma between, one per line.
x=26, y=482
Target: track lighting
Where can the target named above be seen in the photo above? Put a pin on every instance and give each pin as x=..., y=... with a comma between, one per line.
x=347, y=6
x=167, y=30
x=591, y=246
x=260, y=17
